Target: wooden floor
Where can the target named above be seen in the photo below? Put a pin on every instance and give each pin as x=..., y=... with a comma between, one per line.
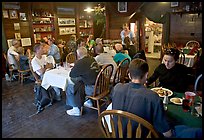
x=53, y=122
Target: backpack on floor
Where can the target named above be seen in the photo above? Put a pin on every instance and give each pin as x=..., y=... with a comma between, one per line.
x=43, y=97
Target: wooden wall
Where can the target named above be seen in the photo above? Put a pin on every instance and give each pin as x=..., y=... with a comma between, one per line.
x=185, y=27
x=181, y=28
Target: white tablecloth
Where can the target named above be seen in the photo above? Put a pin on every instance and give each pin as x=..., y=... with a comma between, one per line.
x=58, y=77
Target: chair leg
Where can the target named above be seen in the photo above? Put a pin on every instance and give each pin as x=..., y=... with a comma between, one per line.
x=98, y=107
x=81, y=110
x=19, y=77
x=22, y=78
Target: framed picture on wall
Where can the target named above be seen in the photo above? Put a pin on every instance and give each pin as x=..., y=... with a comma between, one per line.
x=174, y=4
x=23, y=16
x=5, y=14
x=9, y=42
x=18, y=36
x=66, y=21
x=67, y=30
x=13, y=14
x=122, y=6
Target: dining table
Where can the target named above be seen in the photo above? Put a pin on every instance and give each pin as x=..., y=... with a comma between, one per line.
x=177, y=116
x=58, y=77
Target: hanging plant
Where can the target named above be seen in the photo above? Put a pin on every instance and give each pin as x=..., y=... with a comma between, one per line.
x=100, y=18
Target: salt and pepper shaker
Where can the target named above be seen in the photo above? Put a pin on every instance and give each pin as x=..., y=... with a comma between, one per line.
x=165, y=101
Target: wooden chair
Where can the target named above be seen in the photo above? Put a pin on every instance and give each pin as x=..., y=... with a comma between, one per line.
x=71, y=57
x=102, y=87
x=117, y=124
x=192, y=43
x=12, y=72
x=181, y=58
x=23, y=74
x=121, y=74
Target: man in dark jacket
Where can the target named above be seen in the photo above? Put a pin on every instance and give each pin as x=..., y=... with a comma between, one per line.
x=85, y=70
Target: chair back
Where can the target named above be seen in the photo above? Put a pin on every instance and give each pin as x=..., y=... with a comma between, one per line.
x=102, y=87
x=71, y=57
x=121, y=74
x=103, y=80
x=192, y=44
x=181, y=58
x=197, y=81
x=116, y=123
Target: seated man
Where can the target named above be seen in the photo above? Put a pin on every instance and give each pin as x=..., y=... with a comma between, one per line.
x=84, y=71
x=135, y=98
x=40, y=65
x=103, y=58
x=12, y=54
x=120, y=53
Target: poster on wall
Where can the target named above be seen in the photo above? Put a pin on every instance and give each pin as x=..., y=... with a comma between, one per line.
x=5, y=14
x=122, y=6
x=18, y=36
x=25, y=42
x=67, y=30
x=66, y=21
x=9, y=42
x=13, y=14
x=16, y=26
x=23, y=16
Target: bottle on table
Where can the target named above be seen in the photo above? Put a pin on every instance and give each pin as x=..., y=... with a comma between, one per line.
x=165, y=101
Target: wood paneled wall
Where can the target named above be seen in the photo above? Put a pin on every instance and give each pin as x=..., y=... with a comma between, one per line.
x=186, y=27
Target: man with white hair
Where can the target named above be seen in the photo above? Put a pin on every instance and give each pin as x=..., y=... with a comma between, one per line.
x=120, y=54
x=12, y=54
x=85, y=70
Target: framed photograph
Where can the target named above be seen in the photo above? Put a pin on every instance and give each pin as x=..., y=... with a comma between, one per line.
x=23, y=16
x=174, y=4
x=9, y=41
x=18, y=36
x=16, y=26
x=122, y=6
x=67, y=30
x=13, y=14
x=66, y=21
x=5, y=14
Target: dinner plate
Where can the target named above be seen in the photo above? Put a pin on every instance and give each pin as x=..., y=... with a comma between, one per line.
x=173, y=101
x=156, y=89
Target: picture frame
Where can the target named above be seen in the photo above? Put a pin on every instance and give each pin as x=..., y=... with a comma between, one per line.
x=23, y=16
x=122, y=7
x=9, y=42
x=13, y=14
x=67, y=30
x=16, y=26
x=5, y=14
x=66, y=21
x=174, y=4
x=18, y=36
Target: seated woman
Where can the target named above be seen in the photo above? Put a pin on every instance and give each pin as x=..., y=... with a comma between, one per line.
x=172, y=75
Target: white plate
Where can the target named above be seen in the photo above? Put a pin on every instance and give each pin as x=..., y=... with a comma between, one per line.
x=165, y=89
x=173, y=101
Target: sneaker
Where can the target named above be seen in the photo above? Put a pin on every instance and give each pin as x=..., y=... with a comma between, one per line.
x=88, y=103
x=74, y=112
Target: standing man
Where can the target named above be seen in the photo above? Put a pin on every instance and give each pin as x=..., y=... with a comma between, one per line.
x=127, y=32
